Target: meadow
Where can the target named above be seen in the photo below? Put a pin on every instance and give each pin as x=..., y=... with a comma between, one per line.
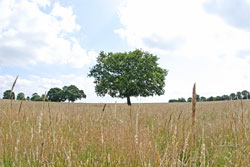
x=81, y=134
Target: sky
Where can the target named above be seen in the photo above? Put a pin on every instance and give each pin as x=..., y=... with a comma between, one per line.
x=54, y=43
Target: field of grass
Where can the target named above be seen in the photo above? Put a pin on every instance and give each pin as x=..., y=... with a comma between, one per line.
x=66, y=134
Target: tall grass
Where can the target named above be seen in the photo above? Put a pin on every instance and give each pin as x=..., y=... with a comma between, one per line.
x=62, y=134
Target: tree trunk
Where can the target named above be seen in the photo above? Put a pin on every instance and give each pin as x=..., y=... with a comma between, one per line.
x=128, y=101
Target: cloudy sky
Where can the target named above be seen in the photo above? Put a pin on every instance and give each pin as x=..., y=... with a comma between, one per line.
x=53, y=43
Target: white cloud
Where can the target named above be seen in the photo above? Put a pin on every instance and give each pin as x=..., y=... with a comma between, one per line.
x=29, y=35
x=196, y=46
x=66, y=17
x=79, y=56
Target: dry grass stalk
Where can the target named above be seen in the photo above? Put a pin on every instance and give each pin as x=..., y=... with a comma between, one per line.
x=136, y=130
x=174, y=145
x=102, y=135
x=20, y=107
x=194, y=104
x=203, y=149
x=193, y=123
x=50, y=118
x=102, y=114
x=12, y=88
x=115, y=109
x=242, y=111
x=184, y=150
x=68, y=158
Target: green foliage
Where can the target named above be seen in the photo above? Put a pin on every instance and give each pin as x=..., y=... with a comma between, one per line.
x=129, y=74
x=56, y=95
x=203, y=98
x=245, y=94
x=211, y=98
x=6, y=95
x=36, y=97
x=218, y=98
x=72, y=93
x=233, y=96
x=239, y=95
x=182, y=99
x=198, y=98
x=179, y=100
x=20, y=96
x=172, y=101
x=225, y=97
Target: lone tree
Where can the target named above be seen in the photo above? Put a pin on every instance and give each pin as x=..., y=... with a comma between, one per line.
x=129, y=74
x=6, y=95
x=20, y=96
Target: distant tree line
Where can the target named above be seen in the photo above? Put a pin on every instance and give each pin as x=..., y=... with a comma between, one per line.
x=67, y=93
x=233, y=96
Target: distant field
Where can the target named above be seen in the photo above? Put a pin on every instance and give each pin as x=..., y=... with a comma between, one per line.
x=66, y=134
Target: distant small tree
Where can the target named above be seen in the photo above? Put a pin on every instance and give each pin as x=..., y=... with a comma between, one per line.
x=198, y=98
x=72, y=93
x=232, y=96
x=203, y=98
x=225, y=97
x=189, y=99
x=218, y=98
x=36, y=97
x=239, y=95
x=20, y=96
x=245, y=94
x=6, y=95
x=172, y=100
x=28, y=98
x=182, y=99
x=211, y=98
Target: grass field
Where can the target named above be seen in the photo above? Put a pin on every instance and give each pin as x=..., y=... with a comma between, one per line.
x=66, y=134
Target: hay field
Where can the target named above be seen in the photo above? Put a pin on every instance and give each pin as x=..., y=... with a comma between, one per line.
x=65, y=134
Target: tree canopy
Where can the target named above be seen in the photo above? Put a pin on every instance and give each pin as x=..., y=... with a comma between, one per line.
x=6, y=95
x=36, y=97
x=56, y=95
x=72, y=93
x=20, y=96
x=124, y=75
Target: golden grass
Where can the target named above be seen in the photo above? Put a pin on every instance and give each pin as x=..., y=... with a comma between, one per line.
x=194, y=104
x=66, y=134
